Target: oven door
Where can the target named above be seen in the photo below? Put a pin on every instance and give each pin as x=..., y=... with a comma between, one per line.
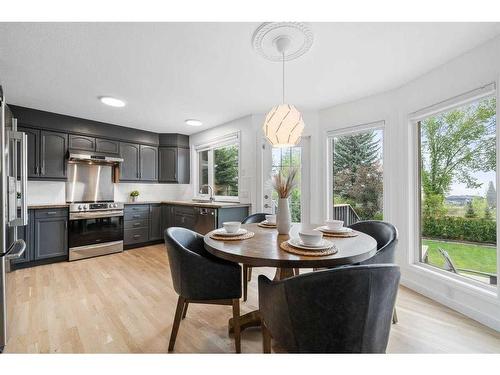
x=95, y=231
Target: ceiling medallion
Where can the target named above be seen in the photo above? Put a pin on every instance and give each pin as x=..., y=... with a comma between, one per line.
x=299, y=33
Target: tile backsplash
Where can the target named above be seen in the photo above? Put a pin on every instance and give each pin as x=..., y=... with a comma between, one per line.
x=54, y=192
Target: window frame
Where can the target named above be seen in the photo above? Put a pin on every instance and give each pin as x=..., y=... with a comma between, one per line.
x=351, y=130
x=232, y=139
x=415, y=227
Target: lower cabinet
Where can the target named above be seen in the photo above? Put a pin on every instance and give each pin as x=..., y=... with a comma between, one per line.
x=155, y=222
x=46, y=236
x=136, y=224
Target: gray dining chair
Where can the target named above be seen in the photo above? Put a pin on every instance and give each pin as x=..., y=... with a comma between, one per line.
x=339, y=310
x=247, y=270
x=199, y=277
x=386, y=236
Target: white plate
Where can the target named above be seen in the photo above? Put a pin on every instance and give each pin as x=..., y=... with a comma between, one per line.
x=266, y=223
x=223, y=232
x=324, y=244
x=325, y=229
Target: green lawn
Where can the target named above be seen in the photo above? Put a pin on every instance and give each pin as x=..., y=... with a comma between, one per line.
x=464, y=255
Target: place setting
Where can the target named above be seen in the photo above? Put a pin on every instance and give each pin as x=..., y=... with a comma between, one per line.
x=335, y=228
x=270, y=222
x=231, y=231
x=309, y=243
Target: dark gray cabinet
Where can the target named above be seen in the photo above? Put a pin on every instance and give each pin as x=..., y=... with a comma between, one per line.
x=129, y=169
x=107, y=146
x=184, y=216
x=174, y=165
x=50, y=234
x=148, y=170
x=53, y=151
x=33, y=151
x=155, y=222
x=80, y=142
x=136, y=224
x=167, y=216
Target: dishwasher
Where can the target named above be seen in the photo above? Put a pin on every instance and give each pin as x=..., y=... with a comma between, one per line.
x=206, y=219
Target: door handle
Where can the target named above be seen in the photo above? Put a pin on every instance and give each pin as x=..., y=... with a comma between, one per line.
x=16, y=250
x=267, y=206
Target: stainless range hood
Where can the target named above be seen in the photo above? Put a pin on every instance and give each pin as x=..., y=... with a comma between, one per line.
x=94, y=158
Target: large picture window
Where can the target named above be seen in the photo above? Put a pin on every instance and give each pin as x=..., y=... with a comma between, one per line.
x=357, y=173
x=457, y=173
x=218, y=166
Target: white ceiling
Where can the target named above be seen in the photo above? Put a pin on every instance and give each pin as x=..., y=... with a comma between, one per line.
x=169, y=72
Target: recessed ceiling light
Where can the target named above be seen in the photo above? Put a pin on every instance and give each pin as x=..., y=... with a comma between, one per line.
x=193, y=122
x=113, y=102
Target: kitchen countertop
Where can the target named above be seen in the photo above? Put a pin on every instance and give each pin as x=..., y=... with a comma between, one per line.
x=179, y=203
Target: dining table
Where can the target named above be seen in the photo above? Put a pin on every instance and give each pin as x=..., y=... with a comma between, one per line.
x=263, y=250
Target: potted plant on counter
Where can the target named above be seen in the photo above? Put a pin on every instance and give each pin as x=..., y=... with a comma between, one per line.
x=283, y=183
x=133, y=195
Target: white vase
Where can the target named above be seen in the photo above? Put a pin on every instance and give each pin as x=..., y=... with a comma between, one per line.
x=283, y=218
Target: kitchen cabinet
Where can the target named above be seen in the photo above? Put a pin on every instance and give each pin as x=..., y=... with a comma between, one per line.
x=129, y=168
x=80, y=142
x=148, y=163
x=136, y=223
x=33, y=136
x=174, y=165
x=53, y=151
x=184, y=216
x=107, y=146
x=50, y=234
x=155, y=222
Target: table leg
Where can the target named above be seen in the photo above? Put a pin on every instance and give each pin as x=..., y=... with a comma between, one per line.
x=252, y=319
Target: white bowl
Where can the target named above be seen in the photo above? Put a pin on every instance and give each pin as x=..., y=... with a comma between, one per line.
x=334, y=224
x=310, y=237
x=231, y=226
x=271, y=219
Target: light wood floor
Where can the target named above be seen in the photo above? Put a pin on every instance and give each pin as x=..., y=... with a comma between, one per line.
x=124, y=303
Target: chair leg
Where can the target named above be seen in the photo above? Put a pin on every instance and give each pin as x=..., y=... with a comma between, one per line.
x=186, y=304
x=245, y=282
x=177, y=322
x=296, y=271
x=394, y=317
x=266, y=339
x=236, y=323
x=249, y=273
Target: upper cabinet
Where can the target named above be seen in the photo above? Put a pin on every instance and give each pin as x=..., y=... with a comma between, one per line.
x=47, y=152
x=148, y=163
x=173, y=165
x=107, y=146
x=81, y=142
x=129, y=168
x=53, y=150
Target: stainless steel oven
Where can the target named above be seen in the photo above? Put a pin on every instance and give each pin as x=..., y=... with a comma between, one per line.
x=95, y=229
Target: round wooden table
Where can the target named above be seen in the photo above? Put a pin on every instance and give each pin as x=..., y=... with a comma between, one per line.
x=263, y=250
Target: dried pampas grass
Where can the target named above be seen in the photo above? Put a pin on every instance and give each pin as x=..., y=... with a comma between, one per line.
x=284, y=183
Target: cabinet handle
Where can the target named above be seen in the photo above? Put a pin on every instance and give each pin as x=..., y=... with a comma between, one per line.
x=137, y=224
x=136, y=216
x=137, y=235
x=51, y=213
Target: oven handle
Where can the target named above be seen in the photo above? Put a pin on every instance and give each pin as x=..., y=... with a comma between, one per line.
x=83, y=216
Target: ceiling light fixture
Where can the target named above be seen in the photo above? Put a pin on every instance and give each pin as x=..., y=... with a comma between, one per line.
x=283, y=41
x=113, y=102
x=193, y=122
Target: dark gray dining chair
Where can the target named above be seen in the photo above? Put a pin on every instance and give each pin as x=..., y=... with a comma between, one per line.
x=199, y=277
x=386, y=236
x=247, y=270
x=339, y=310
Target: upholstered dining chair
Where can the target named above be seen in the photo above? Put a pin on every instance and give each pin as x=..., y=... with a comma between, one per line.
x=199, y=277
x=339, y=310
x=247, y=270
x=386, y=236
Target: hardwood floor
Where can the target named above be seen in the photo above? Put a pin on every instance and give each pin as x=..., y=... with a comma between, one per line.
x=124, y=303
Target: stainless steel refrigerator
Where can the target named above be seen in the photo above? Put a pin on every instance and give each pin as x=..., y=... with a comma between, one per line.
x=13, y=206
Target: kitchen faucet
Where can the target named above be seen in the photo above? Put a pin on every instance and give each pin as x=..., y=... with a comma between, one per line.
x=210, y=189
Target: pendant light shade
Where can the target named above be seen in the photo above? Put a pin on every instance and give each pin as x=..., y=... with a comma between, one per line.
x=283, y=126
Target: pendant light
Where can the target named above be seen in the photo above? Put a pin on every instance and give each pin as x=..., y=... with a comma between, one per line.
x=283, y=125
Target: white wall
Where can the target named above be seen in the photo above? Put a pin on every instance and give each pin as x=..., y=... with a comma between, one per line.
x=467, y=72
x=54, y=192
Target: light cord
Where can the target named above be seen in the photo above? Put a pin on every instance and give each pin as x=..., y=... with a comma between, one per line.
x=283, y=77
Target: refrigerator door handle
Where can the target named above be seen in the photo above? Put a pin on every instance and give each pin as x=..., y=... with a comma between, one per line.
x=16, y=250
x=22, y=139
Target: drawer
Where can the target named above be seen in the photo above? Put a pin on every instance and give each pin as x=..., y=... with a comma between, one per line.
x=136, y=207
x=136, y=215
x=131, y=224
x=133, y=236
x=184, y=210
x=47, y=213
